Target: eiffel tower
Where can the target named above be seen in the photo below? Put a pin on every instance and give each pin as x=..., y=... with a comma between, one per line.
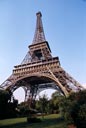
x=39, y=70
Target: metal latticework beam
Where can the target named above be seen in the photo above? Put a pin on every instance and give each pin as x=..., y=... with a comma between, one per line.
x=27, y=59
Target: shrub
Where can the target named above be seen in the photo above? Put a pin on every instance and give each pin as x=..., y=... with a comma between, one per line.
x=73, y=108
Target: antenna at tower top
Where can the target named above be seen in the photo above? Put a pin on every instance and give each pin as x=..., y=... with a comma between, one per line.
x=39, y=14
x=39, y=35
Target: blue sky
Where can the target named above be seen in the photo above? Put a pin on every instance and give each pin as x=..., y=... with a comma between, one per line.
x=64, y=23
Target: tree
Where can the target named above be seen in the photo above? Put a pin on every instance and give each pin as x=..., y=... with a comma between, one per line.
x=54, y=102
x=73, y=108
x=7, y=108
x=4, y=99
x=43, y=103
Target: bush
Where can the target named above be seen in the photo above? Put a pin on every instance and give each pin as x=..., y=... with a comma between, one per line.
x=80, y=119
x=73, y=108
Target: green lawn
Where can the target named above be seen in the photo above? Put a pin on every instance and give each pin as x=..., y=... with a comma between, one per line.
x=50, y=121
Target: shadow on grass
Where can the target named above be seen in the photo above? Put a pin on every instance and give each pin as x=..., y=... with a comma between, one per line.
x=17, y=125
x=45, y=123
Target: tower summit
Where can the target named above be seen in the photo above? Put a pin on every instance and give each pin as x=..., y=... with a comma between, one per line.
x=39, y=32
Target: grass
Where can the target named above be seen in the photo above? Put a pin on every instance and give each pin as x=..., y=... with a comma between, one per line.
x=50, y=121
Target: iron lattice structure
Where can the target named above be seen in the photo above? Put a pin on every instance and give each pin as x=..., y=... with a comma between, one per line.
x=39, y=70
